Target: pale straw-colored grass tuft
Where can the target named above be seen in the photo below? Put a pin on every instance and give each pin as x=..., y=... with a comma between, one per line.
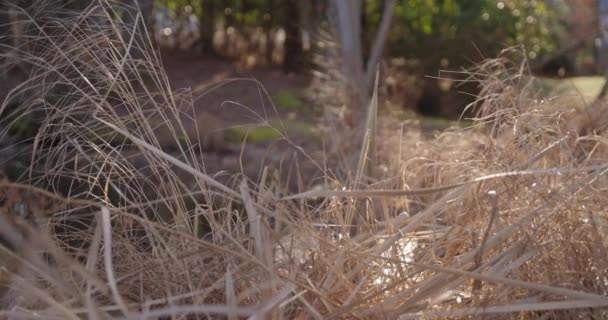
x=505, y=218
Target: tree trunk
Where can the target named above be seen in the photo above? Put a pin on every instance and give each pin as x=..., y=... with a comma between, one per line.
x=378, y=47
x=360, y=81
x=229, y=16
x=207, y=26
x=349, y=35
x=603, y=26
x=603, y=50
x=267, y=25
x=293, y=40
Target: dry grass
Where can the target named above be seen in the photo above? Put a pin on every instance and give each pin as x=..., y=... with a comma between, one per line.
x=504, y=219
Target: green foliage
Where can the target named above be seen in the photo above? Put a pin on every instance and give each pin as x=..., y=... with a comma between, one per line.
x=251, y=13
x=271, y=132
x=459, y=31
x=259, y=134
x=296, y=127
x=450, y=33
x=288, y=100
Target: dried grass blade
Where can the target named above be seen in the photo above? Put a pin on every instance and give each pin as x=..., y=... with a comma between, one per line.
x=510, y=308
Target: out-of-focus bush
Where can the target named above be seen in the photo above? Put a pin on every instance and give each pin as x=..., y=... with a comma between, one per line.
x=452, y=33
x=439, y=34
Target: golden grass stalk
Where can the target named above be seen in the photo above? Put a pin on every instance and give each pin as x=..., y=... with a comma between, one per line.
x=136, y=231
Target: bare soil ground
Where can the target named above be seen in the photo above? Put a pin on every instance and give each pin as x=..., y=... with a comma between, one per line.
x=264, y=105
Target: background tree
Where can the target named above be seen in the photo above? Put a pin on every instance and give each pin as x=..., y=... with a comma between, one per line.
x=293, y=38
x=603, y=48
x=207, y=25
x=359, y=80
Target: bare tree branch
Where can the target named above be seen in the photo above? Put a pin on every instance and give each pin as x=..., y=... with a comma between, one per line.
x=576, y=45
x=379, y=42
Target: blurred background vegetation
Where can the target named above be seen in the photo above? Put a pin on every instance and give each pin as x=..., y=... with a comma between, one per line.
x=425, y=37
x=438, y=33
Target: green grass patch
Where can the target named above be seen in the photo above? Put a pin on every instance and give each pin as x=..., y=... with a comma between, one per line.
x=293, y=126
x=259, y=134
x=288, y=100
x=299, y=128
x=271, y=132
